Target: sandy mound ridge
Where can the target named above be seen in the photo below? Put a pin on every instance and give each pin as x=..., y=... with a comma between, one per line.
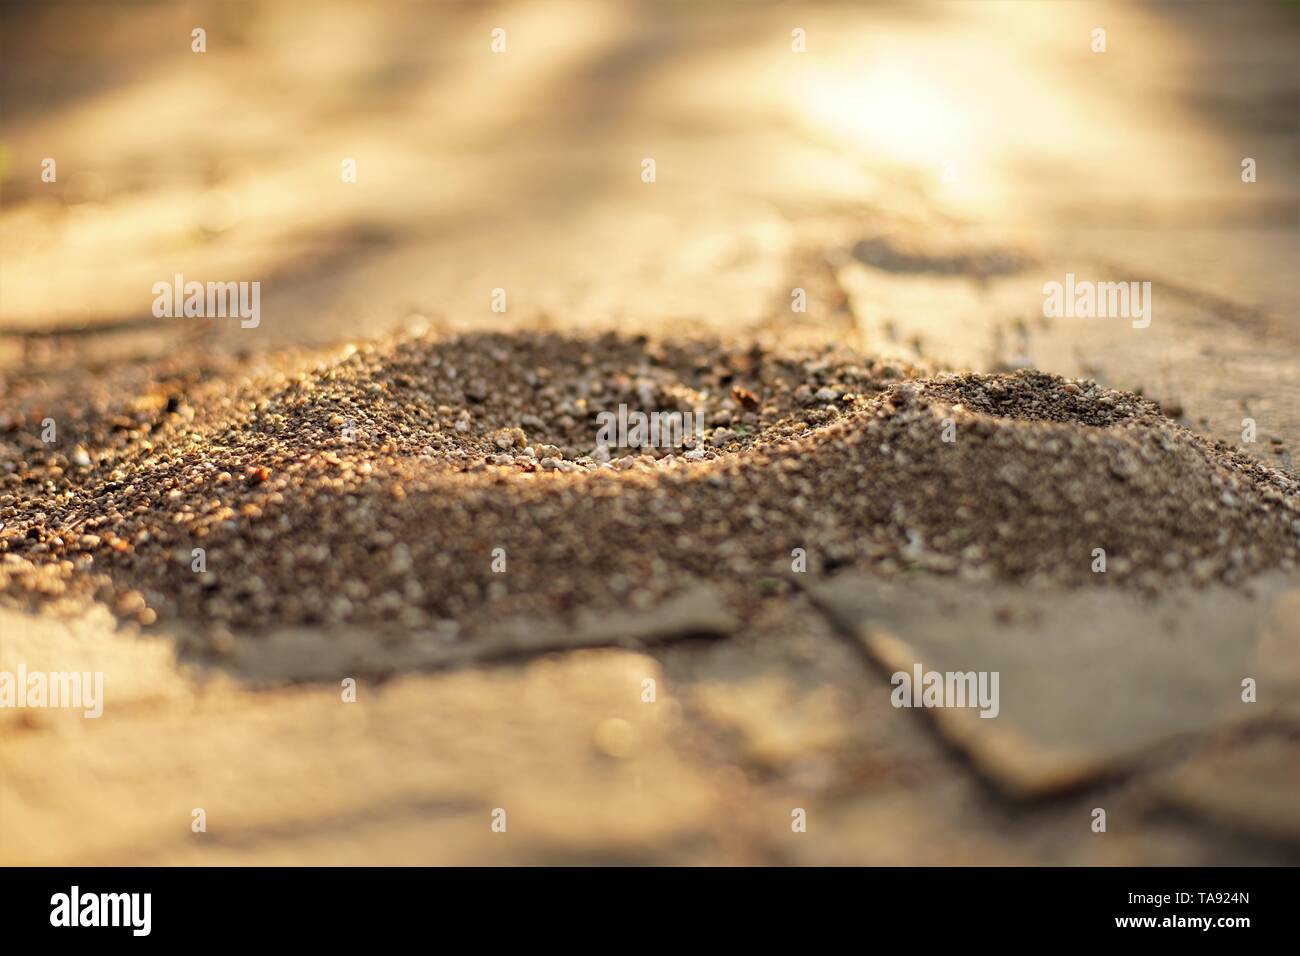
x=376, y=489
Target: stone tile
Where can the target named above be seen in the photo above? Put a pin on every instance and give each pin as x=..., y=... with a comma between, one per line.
x=1092, y=682
x=1252, y=787
x=323, y=654
x=410, y=773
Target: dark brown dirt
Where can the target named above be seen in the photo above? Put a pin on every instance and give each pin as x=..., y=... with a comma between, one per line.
x=375, y=489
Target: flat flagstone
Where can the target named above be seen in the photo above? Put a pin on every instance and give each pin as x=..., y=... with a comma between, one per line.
x=1091, y=682
x=411, y=773
x=306, y=654
x=1252, y=787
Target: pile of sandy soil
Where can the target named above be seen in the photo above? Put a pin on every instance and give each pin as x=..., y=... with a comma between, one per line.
x=375, y=488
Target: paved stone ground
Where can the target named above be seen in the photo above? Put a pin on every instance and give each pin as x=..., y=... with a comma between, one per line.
x=824, y=170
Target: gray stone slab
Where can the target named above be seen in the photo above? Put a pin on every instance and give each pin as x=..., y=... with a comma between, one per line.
x=1250, y=787
x=303, y=654
x=1092, y=682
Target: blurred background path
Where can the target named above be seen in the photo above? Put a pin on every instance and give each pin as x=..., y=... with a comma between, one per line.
x=919, y=171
